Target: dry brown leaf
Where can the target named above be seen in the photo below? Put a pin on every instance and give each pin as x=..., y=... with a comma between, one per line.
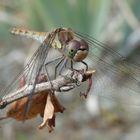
x=52, y=106
x=48, y=115
x=16, y=109
x=44, y=103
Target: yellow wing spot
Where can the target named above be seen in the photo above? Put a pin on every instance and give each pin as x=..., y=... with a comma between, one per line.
x=56, y=45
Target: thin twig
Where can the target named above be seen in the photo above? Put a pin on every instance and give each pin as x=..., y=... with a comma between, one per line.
x=62, y=83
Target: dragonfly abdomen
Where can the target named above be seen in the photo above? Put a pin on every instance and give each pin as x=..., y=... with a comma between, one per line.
x=38, y=36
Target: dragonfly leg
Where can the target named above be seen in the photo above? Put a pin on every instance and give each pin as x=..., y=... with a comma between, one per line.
x=51, y=91
x=57, y=65
x=85, y=65
x=51, y=61
x=48, y=73
x=71, y=64
x=85, y=93
x=63, y=65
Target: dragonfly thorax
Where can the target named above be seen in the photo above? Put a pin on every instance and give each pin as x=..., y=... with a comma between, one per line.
x=77, y=50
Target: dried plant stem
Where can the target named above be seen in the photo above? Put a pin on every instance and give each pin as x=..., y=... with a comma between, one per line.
x=62, y=83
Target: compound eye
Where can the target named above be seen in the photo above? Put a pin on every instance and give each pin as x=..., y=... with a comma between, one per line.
x=74, y=45
x=84, y=45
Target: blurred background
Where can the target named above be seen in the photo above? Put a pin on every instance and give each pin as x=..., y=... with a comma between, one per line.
x=115, y=22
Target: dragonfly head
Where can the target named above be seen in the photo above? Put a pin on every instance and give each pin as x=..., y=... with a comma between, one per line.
x=77, y=50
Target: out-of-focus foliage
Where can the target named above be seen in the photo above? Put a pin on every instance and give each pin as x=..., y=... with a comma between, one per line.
x=83, y=16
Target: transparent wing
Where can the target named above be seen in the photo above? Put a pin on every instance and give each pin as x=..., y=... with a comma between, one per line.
x=115, y=76
x=30, y=72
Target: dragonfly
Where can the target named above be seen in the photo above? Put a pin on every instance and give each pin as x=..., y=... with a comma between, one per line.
x=74, y=48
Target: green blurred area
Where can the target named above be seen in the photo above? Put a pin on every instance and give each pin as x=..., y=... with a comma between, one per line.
x=43, y=15
x=94, y=17
x=84, y=16
x=103, y=19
